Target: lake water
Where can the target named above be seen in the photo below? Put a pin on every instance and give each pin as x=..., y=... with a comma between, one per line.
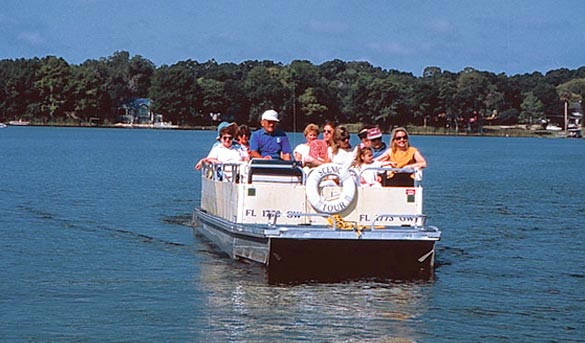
x=96, y=247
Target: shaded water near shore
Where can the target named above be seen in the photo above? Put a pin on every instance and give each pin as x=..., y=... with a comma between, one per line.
x=96, y=247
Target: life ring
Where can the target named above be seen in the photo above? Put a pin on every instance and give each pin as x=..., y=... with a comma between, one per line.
x=322, y=204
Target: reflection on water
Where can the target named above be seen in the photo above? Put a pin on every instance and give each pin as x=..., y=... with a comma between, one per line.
x=248, y=308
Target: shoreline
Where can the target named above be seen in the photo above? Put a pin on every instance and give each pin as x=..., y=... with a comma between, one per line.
x=488, y=131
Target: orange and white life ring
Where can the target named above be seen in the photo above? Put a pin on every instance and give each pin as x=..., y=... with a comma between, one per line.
x=323, y=204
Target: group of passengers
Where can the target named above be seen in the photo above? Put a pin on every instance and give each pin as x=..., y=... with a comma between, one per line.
x=237, y=144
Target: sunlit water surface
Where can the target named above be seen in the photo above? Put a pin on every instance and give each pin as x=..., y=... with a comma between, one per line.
x=96, y=247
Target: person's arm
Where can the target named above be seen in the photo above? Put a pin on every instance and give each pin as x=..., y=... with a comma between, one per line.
x=254, y=146
x=384, y=157
x=298, y=157
x=285, y=151
x=312, y=162
x=200, y=163
x=211, y=157
x=256, y=154
x=388, y=163
x=419, y=163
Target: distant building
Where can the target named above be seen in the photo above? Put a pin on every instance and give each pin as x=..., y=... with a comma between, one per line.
x=575, y=121
x=136, y=111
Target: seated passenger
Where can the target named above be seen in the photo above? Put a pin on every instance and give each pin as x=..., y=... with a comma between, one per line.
x=363, y=135
x=270, y=142
x=301, y=151
x=341, y=152
x=364, y=159
x=401, y=154
x=375, y=138
x=224, y=151
x=319, y=148
x=243, y=139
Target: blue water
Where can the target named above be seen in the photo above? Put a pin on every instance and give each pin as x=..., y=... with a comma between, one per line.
x=96, y=247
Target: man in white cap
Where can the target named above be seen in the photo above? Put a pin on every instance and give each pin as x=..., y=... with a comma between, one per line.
x=270, y=142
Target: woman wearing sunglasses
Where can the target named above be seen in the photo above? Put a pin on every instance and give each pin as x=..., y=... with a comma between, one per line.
x=224, y=151
x=401, y=154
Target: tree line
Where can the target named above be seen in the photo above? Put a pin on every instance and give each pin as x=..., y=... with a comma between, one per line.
x=49, y=89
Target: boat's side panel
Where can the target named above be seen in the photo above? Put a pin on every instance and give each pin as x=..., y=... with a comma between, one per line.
x=354, y=258
x=257, y=203
x=220, y=198
x=261, y=201
x=370, y=202
x=220, y=239
x=228, y=238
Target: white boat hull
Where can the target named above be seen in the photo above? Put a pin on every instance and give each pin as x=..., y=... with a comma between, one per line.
x=263, y=212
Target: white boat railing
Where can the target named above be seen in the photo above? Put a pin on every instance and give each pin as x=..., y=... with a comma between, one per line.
x=403, y=177
x=258, y=170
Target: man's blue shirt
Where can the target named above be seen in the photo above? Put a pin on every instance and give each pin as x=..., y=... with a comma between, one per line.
x=378, y=152
x=270, y=144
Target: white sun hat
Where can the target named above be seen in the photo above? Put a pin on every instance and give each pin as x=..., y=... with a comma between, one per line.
x=270, y=115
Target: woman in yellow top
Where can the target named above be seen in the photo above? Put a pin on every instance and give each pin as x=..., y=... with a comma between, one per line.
x=401, y=154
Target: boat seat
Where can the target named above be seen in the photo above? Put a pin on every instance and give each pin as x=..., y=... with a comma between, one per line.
x=275, y=171
x=398, y=180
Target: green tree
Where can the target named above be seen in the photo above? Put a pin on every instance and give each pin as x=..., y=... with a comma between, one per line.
x=532, y=109
x=52, y=82
x=176, y=93
x=213, y=95
x=575, y=89
x=89, y=97
x=265, y=90
x=18, y=95
x=310, y=107
x=140, y=71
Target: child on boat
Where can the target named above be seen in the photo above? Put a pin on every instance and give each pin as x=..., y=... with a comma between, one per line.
x=365, y=167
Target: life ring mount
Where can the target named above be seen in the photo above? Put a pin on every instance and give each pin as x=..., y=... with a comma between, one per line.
x=330, y=204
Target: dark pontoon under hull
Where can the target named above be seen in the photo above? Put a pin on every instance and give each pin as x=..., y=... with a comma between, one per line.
x=294, y=259
x=338, y=259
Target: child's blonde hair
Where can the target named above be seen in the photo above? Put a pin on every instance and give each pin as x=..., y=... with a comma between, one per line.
x=361, y=150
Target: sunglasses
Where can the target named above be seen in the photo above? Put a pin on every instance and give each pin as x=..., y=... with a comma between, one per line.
x=226, y=137
x=327, y=131
x=400, y=138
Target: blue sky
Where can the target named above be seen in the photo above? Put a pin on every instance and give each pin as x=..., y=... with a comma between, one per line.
x=509, y=36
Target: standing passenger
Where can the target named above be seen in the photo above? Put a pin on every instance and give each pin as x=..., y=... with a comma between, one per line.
x=269, y=142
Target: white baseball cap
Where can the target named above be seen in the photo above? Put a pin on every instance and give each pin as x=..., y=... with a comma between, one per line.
x=270, y=115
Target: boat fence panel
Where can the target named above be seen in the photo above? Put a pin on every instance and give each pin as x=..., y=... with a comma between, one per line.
x=397, y=177
x=264, y=192
x=275, y=171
